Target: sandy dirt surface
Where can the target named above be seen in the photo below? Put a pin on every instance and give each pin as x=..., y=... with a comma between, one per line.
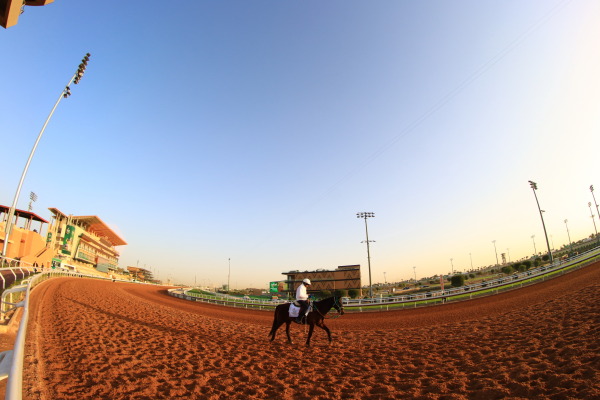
x=92, y=339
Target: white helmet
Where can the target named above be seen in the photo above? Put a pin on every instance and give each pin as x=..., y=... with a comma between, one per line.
x=306, y=280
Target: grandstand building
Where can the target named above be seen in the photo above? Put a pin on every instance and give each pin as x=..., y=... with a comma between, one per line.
x=82, y=241
x=343, y=277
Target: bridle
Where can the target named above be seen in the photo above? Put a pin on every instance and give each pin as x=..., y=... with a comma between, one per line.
x=336, y=304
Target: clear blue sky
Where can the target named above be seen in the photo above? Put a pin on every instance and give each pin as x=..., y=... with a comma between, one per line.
x=255, y=131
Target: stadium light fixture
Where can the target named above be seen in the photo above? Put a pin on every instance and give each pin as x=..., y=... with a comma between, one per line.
x=66, y=92
x=366, y=215
x=534, y=188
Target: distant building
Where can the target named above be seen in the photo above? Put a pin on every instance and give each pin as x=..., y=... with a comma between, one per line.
x=138, y=273
x=343, y=277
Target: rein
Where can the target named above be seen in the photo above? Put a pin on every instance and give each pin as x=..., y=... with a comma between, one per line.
x=325, y=316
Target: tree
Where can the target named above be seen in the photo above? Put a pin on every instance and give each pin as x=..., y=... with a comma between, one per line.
x=340, y=293
x=507, y=269
x=354, y=293
x=457, y=280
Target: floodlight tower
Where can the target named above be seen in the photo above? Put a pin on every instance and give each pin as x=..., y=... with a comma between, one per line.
x=569, y=235
x=66, y=92
x=597, y=210
x=534, y=249
x=366, y=215
x=32, y=198
x=592, y=216
x=229, y=276
x=534, y=188
x=495, y=251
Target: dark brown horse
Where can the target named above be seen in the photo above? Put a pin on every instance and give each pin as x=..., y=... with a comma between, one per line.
x=316, y=316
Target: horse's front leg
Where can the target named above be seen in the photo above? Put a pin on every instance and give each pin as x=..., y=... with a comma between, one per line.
x=322, y=325
x=287, y=330
x=310, y=332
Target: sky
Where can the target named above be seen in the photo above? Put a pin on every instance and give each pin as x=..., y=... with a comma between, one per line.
x=237, y=140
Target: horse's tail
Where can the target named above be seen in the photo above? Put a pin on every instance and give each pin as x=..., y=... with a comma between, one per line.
x=281, y=308
x=274, y=327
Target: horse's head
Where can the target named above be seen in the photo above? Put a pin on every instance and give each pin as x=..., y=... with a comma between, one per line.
x=337, y=304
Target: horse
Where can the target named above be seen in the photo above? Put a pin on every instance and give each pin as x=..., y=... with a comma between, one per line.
x=316, y=316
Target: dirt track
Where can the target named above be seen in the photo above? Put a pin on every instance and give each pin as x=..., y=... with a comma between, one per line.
x=92, y=339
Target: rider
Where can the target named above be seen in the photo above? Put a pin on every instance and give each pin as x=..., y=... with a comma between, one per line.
x=302, y=298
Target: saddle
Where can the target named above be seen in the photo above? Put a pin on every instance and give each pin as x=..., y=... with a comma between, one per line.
x=294, y=311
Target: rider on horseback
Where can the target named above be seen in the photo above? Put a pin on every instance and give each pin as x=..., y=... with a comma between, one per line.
x=302, y=299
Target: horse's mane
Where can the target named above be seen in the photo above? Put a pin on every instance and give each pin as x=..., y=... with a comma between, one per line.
x=328, y=301
x=331, y=299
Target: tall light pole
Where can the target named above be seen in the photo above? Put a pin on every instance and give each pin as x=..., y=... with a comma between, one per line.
x=592, y=215
x=597, y=210
x=508, y=251
x=534, y=249
x=471, y=257
x=534, y=188
x=452, y=264
x=366, y=215
x=66, y=92
x=32, y=198
x=229, y=276
x=569, y=235
x=495, y=251
x=415, y=271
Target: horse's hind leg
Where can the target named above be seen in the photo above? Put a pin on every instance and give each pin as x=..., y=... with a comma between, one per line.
x=287, y=330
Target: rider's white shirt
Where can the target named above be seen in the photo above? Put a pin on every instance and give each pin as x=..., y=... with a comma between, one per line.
x=301, y=292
